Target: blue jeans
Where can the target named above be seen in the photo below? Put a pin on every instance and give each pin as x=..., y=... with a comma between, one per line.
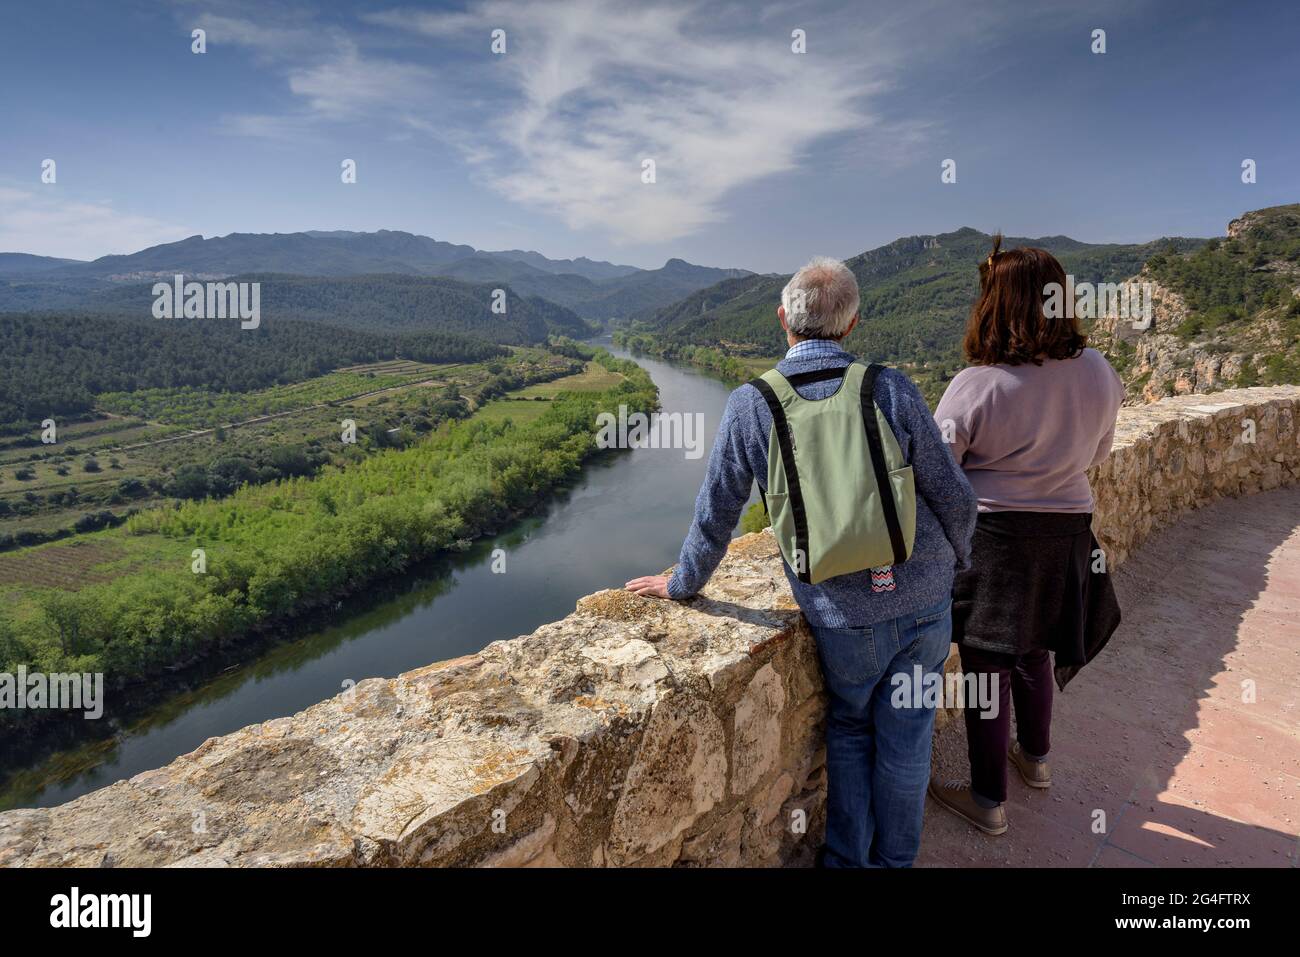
x=878, y=730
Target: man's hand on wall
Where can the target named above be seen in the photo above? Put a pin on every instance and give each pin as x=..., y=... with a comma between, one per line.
x=651, y=586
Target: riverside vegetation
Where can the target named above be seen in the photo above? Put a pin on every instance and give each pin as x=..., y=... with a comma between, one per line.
x=134, y=600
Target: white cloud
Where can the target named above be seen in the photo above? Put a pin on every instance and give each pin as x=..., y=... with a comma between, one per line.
x=269, y=39
x=348, y=85
x=587, y=90
x=325, y=68
x=45, y=222
x=600, y=86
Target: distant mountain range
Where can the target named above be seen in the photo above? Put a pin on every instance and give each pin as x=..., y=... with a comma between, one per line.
x=24, y=264
x=592, y=289
x=916, y=295
x=1227, y=311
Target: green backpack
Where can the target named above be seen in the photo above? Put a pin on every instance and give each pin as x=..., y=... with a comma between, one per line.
x=828, y=461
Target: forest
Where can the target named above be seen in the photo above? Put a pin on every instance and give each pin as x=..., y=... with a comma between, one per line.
x=54, y=366
x=386, y=303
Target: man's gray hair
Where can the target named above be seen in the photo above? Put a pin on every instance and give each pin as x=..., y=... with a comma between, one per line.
x=821, y=299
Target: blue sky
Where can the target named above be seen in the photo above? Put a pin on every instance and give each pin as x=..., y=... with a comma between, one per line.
x=764, y=157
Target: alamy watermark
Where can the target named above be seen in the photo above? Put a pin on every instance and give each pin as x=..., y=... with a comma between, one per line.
x=658, y=430
x=209, y=300
x=953, y=689
x=133, y=912
x=1085, y=300
x=35, y=691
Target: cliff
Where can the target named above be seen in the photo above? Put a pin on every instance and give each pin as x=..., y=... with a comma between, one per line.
x=1225, y=314
x=633, y=732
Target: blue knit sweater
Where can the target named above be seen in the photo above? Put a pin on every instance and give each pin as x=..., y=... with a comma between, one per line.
x=945, y=504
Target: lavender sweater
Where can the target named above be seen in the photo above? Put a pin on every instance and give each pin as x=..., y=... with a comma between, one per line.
x=945, y=504
x=1027, y=435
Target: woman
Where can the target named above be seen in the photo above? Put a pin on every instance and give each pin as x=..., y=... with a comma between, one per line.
x=1034, y=411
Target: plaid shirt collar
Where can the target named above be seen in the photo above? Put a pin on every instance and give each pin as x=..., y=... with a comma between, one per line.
x=812, y=348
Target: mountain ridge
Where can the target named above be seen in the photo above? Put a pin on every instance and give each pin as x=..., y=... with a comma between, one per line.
x=917, y=261
x=372, y=302
x=594, y=289
x=1226, y=310
x=916, y=294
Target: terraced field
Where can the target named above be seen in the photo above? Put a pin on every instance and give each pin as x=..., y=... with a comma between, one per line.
x=71, y=565
x=145, y=446
x=531, y=403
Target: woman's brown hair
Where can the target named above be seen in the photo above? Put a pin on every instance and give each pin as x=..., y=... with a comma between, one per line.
x=1007, y=323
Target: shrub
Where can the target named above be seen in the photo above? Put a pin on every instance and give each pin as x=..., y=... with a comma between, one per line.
x=755, y=518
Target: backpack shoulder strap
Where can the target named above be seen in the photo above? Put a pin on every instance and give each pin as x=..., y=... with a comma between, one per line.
x=885, y=487
x=781, y=427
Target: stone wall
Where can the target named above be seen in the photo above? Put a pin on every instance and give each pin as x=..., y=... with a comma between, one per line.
x=1182, y=452
x=635, y=732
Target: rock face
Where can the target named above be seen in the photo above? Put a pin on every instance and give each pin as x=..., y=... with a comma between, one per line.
x=1186, y=350
x=1161, y=363
x=635, y=732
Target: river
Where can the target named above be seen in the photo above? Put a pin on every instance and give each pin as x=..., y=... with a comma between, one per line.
x=625, y=516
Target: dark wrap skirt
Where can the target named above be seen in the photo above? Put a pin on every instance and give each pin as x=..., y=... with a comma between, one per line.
x=1031, y=585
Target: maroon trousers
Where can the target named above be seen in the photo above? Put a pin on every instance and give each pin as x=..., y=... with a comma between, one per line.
x=1026, y=679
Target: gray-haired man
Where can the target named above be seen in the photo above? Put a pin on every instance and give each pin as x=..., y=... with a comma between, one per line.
x=871, y=625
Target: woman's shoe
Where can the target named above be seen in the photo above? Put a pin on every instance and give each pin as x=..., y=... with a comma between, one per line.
x=956, y=797
x=1037, y=774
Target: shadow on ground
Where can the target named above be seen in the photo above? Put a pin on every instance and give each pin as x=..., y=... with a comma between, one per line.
x=1155, y=734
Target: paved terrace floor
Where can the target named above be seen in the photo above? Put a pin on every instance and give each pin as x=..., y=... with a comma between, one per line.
x=1155, y=732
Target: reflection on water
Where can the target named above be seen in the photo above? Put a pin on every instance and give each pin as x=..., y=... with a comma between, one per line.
x=625, y=516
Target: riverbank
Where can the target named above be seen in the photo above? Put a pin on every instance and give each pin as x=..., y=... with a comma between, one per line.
x=624, y=514
x=204, y=577
x=733, y=370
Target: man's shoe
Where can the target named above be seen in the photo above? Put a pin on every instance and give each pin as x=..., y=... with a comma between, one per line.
x=1037, y=774
x=956, y=797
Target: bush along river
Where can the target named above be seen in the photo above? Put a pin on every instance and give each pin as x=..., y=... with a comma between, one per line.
x=624, y=516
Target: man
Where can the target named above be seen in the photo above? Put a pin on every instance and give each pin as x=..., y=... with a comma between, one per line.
x=870, y=625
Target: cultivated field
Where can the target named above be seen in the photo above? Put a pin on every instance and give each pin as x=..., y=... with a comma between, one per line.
x=146, y=447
